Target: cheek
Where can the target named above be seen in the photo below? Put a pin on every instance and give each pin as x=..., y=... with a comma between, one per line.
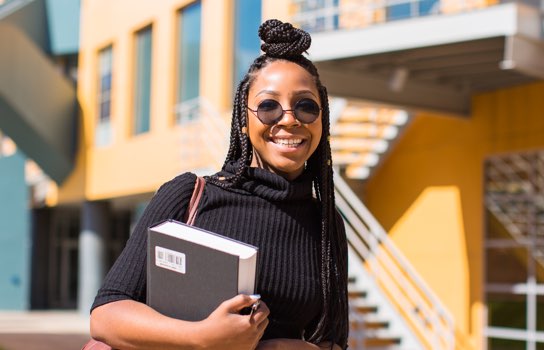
x=316, y=131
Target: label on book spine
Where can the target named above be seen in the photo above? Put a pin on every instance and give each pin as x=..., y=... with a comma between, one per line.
x=169, y=259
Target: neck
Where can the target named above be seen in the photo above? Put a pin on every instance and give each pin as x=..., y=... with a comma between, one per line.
x=257, y=162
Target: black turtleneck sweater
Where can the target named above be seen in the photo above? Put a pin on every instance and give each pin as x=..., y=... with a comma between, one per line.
x=278, y=216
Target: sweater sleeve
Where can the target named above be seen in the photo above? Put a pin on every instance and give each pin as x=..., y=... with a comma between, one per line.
x=127, y=277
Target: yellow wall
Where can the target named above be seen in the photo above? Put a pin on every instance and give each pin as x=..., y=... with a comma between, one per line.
x=140, y=163
x=428, y=194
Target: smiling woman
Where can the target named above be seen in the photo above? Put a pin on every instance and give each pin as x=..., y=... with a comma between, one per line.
x=283, y=144
x=276, y=192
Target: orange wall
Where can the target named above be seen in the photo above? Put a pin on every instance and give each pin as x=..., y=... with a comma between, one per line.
x=428, y=193
x=136, y=164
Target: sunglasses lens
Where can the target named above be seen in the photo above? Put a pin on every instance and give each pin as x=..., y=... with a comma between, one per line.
x=269, y=111
x=307, y=110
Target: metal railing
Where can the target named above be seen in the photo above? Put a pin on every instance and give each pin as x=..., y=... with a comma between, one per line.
x=327, y=15
x=394, y=274
x=515, y=196
x=210, y=141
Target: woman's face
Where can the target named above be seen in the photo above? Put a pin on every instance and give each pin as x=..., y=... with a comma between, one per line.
x=283, y=148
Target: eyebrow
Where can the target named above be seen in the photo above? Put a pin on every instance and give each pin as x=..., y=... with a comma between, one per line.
x=275, y=93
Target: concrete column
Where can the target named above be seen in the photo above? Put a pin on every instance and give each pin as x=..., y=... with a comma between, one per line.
x=92, y=251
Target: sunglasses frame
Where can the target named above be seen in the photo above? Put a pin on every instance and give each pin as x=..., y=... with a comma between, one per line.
x=293, y=110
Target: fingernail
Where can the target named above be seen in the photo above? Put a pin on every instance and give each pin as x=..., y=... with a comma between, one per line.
x=255, y=296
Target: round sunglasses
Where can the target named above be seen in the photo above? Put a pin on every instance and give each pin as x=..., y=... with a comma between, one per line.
x=270, y=112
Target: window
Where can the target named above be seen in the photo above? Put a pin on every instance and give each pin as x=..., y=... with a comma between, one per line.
x=103, y=136
x=411, y=8
x=318, y=15
x=142, y=81
x=247, y=44
x=188, y=55
x=514, y=247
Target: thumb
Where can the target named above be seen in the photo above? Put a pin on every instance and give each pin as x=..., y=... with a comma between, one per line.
x=234, y=305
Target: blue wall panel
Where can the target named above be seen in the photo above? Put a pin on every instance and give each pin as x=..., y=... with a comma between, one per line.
x=14, y=234
x=63, y=20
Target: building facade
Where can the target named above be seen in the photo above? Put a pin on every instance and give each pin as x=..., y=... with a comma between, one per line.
x=437, y=128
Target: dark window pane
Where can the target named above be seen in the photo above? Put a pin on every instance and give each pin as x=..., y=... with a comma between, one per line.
x=399, y=11
x=506, y=265
x=427, y=6
x=189, y=52
x=142, y=95
x=540, y=313
x=506, y=344
x=106, y=82
x=507, y=310
x=247, y=44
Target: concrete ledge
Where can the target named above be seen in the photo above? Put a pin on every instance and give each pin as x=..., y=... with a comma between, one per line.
x=43, y=322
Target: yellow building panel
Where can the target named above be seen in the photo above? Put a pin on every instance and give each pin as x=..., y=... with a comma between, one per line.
x=429, y=193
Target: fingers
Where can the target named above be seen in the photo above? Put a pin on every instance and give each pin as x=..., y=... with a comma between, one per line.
x=234, y=305
x=260, y=314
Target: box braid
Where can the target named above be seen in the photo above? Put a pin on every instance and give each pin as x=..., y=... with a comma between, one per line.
x=284, y=42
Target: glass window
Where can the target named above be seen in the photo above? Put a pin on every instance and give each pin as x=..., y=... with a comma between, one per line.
x=506, y=344
x=408, y=9
x=507, y=265
x=247, y=44
x=142, y=81
x=188, y=80
x=507, y=310
x=315, y=19
x=103, y=136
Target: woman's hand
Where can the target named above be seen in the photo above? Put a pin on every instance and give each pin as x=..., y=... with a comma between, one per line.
x=131, y=325
x=294, y=344
x=226, y=329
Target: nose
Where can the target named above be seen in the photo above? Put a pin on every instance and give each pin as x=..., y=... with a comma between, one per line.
x=289, y=119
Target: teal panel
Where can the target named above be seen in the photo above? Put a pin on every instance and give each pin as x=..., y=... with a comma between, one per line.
x=14, y=234
x=142, y=101
x=29, y=16
x=63, y=22
x=189, y=55
x=247, y=45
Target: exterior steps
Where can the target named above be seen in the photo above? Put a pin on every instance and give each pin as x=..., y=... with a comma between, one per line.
x=367, y=329
x=361, y=134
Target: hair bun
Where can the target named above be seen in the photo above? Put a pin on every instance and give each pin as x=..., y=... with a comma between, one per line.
x=282, y=40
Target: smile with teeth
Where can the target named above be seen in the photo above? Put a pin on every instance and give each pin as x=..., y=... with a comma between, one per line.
x=287, y=142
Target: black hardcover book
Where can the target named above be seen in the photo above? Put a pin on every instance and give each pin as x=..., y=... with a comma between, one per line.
x=191, y=271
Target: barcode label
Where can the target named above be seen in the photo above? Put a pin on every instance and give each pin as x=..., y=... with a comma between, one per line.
x=169, y=259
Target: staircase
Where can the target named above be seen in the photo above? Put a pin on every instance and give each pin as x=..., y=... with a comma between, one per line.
x=390, y=306
x=515, y=196
x=362, y=134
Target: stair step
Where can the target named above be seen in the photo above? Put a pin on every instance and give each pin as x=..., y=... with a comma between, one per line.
x=365, y=130
x=376, y=325
x=358, y=144
x=365, y=309
x=353, y=294
x=382, y=341
x=375, y=115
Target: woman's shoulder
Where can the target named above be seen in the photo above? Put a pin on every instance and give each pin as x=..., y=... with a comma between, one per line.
x=182, y=182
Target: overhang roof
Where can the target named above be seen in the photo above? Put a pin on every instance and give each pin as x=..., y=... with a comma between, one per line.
x=434, y=63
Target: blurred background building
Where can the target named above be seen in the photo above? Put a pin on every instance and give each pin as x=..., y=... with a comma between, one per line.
x=437, y=121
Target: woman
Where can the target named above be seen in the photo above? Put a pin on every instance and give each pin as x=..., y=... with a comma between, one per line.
x=275, y=192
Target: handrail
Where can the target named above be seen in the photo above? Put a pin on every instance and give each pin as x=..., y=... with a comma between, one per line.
x=333, y=15
x=368, y=238
x=415, y=300
x=214, y=136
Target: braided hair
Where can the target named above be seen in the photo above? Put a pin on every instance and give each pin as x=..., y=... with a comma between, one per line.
x=284, y=42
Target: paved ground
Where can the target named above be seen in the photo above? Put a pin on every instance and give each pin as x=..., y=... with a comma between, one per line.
x=47, y=330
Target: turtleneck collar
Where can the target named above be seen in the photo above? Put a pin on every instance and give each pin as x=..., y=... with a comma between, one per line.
x=268, y=185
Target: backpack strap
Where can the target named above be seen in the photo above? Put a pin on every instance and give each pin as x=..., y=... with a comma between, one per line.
x=190, y=213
